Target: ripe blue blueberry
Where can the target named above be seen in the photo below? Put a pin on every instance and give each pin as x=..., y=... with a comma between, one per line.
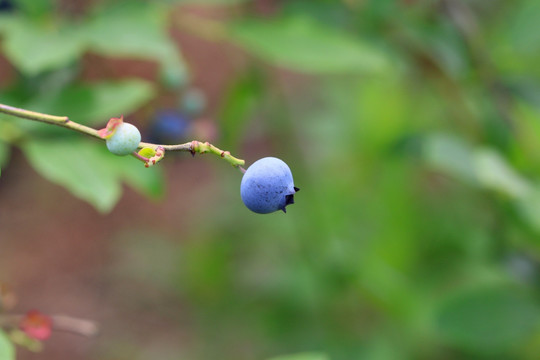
x=125, y=140
x=267, y=186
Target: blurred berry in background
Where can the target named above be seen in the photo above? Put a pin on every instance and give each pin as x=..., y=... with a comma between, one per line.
x=173, y=78
x=6, y=5
x=193, y=102
x=205, y=128
x=169, y=127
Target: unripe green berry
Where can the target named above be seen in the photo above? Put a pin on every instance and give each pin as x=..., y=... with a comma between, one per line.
x=125, y=140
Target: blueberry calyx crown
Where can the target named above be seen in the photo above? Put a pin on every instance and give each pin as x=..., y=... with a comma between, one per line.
x=289, y=199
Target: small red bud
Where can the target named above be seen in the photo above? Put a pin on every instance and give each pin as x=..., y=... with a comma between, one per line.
x=36, y=325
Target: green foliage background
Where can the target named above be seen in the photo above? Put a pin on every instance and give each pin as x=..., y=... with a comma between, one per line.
x=413, y=131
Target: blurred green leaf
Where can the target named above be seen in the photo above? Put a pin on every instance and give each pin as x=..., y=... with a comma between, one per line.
x=147, y=181
x=96, y=103
x=90, y=172
x=4, y=153
x=488, y=320
x=6, y=22
x=137, y=29
x=81, y=167
x=303, y=356
x=483, y=167
x=34, y=47
x=523, y=27
x=305, y=45
x=238, y=105
x=129, y=29
x=451, y=155
x=33, y=7
x=115, y=98
x=525, y=88
x=7, y=350
x=134, y=29
x=529, y=208
x=207, y=2
x=514, y=43
x=495, y=173
x=442, y=43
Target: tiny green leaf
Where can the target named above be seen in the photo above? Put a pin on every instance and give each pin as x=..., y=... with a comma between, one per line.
x=147, y=152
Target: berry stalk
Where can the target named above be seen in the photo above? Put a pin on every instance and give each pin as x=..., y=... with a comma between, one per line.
x=63, y=121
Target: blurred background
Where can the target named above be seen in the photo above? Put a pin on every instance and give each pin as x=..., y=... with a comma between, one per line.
x=412, y=128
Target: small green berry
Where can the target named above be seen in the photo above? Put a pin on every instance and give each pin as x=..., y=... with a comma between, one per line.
x=125, y=140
